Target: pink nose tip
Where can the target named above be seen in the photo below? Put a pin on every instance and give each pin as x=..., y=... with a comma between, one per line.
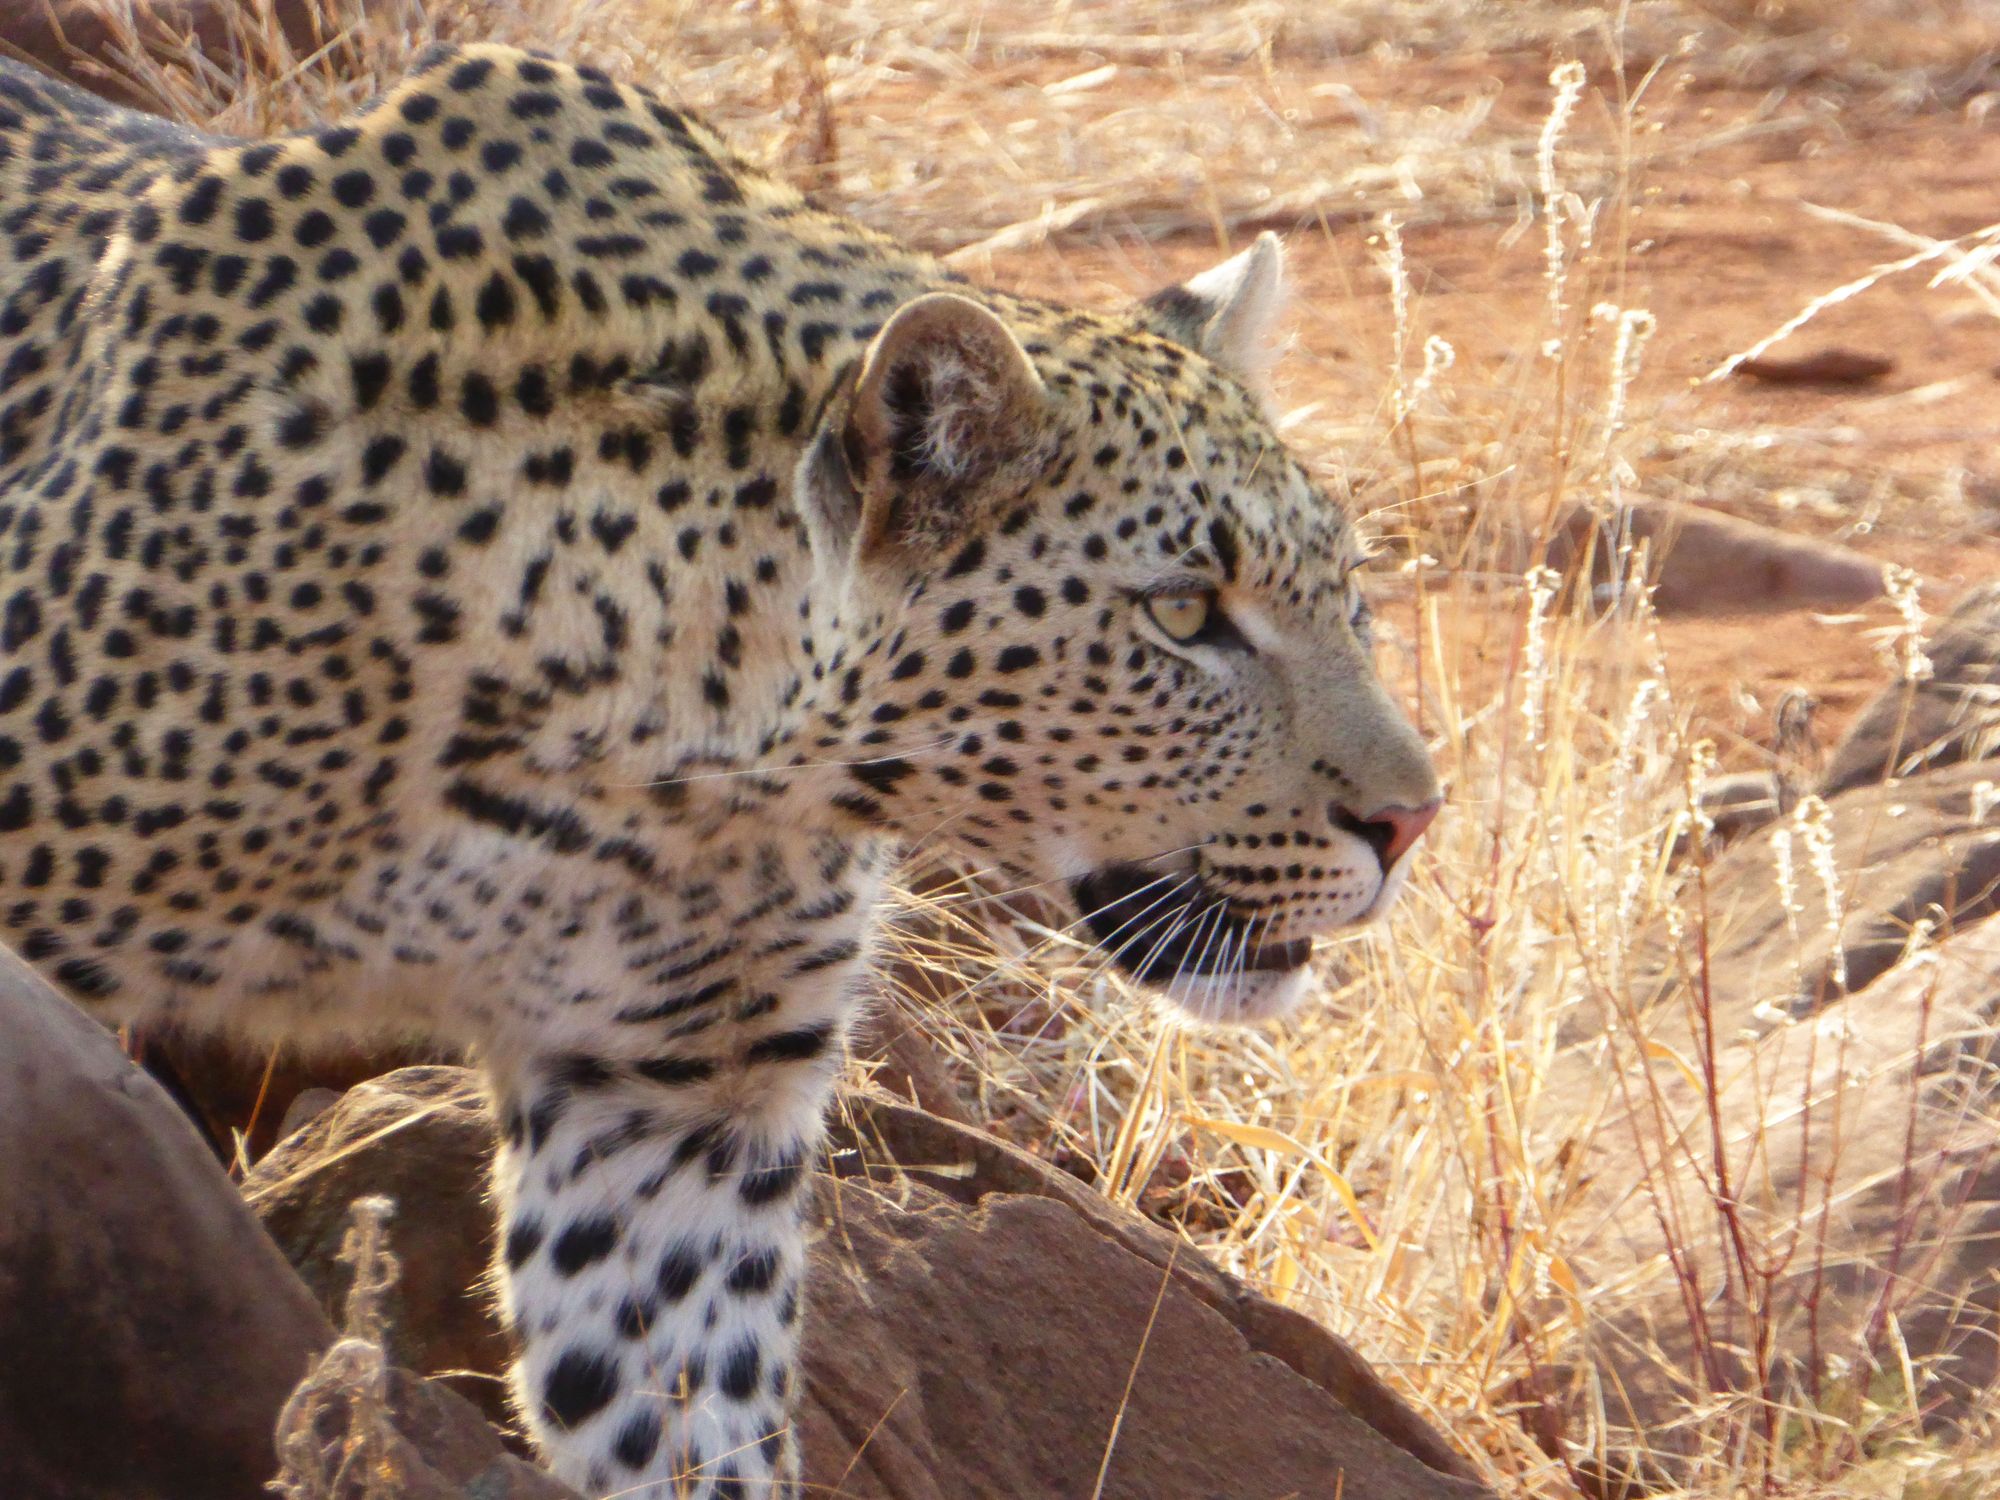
x=1389, y=832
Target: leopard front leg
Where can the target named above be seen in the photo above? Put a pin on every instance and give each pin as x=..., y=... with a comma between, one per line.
x=652, y=1257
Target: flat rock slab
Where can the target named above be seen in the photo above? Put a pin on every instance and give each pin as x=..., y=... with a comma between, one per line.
x=1849, y=1103
x=1864, y=1156
x=1925, y=848
x=1018, y=1344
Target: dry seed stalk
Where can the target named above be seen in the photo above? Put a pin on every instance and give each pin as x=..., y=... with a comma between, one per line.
x=333, y=1433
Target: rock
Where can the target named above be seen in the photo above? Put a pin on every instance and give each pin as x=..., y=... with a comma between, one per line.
x=954, y=1385
x=421, y=1137
x=1740, y=802
x=1704, y=562
x=438, y=1447
x=79, y=42
x=444, y=1449
x=231, y=1090
x=1854, y=1066
x=935, y=1281
x=151, y=1331
x=1863, y=1152
x=1833, y=367
x=973, y=1322
x=1952, y=716
x=413, y=1438
x=1922, y=848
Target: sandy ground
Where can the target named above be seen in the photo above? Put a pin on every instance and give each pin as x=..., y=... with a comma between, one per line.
x=1723, y=251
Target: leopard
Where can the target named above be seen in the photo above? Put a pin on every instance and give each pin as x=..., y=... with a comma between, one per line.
x=503, y=571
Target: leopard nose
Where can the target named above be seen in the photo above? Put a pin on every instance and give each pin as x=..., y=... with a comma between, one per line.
x=1389, y=832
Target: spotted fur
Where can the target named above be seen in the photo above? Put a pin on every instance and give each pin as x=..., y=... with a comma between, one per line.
x=501, y=570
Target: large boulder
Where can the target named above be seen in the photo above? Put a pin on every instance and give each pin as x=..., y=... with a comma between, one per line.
x=985, y=1326
x=149, y=1330
x=975, y=1318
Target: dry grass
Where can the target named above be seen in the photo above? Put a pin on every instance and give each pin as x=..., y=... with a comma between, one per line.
x=1399, y=1160
x=335, y=1433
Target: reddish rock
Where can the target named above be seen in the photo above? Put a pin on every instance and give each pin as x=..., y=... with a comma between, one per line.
x=422, y=1138
x=1833, y=367
x=987, y=1285
x=1704, y=562
x=1921, y=848
x=150, y=1329
x=442, y=1449
x=1851, y=1117
x=437, y=1447
x=984, y=1354
x=358, y=1428
x=75, y=40
x=1863, y=1173
x=151, y=1332
x=974, y=1319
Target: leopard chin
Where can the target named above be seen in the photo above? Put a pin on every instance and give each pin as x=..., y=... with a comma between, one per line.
x=1252, y=997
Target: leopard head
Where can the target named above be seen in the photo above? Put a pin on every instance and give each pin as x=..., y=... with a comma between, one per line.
x=1108, y=635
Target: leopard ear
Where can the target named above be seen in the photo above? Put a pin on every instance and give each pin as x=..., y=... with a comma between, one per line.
x=1229, y=313
x=943, y=399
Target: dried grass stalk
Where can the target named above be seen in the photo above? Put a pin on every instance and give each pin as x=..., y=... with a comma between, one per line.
x=335, y=1434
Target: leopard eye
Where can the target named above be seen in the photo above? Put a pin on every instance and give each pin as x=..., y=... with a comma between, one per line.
x=1181, y=616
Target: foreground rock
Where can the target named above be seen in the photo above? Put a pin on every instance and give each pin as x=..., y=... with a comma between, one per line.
x=425, y=1442
x=975, y=1319
x=987, y=1311
x=149, y=1331
x=1706, y=562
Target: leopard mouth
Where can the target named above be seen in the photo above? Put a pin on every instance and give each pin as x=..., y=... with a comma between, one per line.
x=1159, y=928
